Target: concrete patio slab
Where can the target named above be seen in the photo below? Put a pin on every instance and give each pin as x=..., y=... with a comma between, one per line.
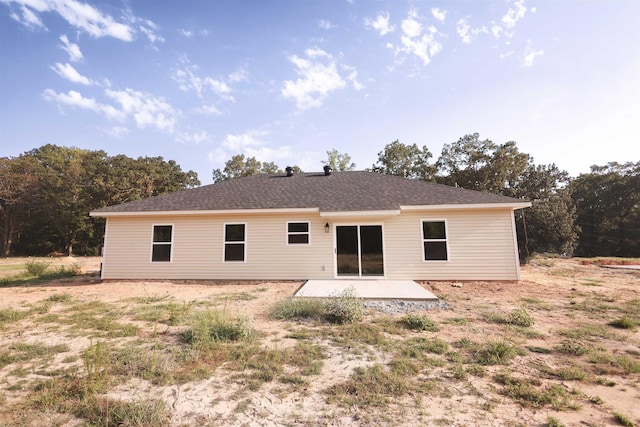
x=367, y=289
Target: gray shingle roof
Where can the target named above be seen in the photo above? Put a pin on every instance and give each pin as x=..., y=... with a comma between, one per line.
x=338, y=192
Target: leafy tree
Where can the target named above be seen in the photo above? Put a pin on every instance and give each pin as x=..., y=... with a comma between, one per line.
x=608, y=208
x=46, y=194
x=238, y=167
x=408, y=161
x=338, y=161
x=549, y=224
x=481, y=165
x=17, y=179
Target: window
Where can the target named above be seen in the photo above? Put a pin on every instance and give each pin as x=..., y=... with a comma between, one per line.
x=434, y=240
x=234, y=242
x=161, y=246
x=297, y=233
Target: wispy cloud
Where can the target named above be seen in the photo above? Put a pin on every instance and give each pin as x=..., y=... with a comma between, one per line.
x=80, y=15
x=530, y=54
x=28, y=18
x=72, y=49
x=193, y=137
x=325, y=24
x=209, y=110
x=380, y=24
x=84, y=17
x=66, y=71
x=252, y=144
x=117, y=131
x=144, y=109
x=188, y=80
x=186, y=33
x=466, y=33
x=514, y=14
x=439, y=14
x=75, y=99
x=318, y=78
x=415, y=40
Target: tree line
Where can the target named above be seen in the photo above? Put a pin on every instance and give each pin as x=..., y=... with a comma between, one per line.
x=46, y=193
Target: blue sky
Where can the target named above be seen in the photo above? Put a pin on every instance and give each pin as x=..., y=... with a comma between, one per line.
x=285, y=81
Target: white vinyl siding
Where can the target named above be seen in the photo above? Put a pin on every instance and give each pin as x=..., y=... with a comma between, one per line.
x=198, y=249
x=481, y=246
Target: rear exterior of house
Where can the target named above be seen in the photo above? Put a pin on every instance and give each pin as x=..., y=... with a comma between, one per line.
x=314, y=226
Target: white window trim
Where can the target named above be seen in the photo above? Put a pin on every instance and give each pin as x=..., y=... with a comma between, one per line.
x=153, y=226
x=295, y=233
x=244, y=242
x=446, y=240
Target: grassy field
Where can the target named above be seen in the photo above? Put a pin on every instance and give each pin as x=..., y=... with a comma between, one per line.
x=562, y=347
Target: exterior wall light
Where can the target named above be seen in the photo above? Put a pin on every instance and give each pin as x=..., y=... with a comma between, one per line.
x=326, y=228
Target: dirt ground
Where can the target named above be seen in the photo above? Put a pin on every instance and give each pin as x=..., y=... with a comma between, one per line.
x=561, y=294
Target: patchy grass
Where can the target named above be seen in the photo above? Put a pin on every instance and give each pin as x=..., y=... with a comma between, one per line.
x=625, y=322
x=373, y=386
x=419, y=322
x=623, y=420
x=299, y=308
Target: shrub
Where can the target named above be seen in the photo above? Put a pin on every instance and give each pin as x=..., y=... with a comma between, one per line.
x=299, y=308
x=625, y=322
x=346, y=307
x=214, y=326
x=521, y=317
x=419, y=322
x=35, y=268
x=496, y=352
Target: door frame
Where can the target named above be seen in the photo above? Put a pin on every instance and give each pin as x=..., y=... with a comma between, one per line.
x=334, y=230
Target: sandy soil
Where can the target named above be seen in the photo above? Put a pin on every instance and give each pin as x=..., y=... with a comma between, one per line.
x=550, y=289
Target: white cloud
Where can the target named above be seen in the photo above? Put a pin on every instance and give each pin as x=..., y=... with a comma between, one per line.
x=117, y=131
x=410, y=26
x=439, y=14
x=209, y=110
x=147, y=110
x=149, y=30
x=325, y=24
x=239, y=75
x=318, y=77
x=251, y=144
x=144, y=109
x=496, y=30
x=72, y=49
x=194, y=137
x=75, y=99
x=188, y=80
x=380, y=24
x=85, y=17
x=186, y=33
x=530, y=54
x=66, y=71
x=28, y=18
x=514, y=14
x=466, y=33
x=415, y=41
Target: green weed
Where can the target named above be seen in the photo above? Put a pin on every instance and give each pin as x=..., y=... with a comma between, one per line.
x=299, y=308
x=623, y=419
x=496, y=352
x=625, y=322
x=419, y=322
x=345, y=307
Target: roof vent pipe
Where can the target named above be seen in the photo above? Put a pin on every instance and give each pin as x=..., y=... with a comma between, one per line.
x=289, y=170
x=327, y=170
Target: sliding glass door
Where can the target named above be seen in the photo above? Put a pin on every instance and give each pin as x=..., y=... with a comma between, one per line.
x=359, y=250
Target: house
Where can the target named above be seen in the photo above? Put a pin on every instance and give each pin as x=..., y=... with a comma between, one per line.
x=329, y=225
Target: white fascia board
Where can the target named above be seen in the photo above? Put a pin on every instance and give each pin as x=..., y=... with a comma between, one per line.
x=518, y=205
x=207, y=212
x=338, y=214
